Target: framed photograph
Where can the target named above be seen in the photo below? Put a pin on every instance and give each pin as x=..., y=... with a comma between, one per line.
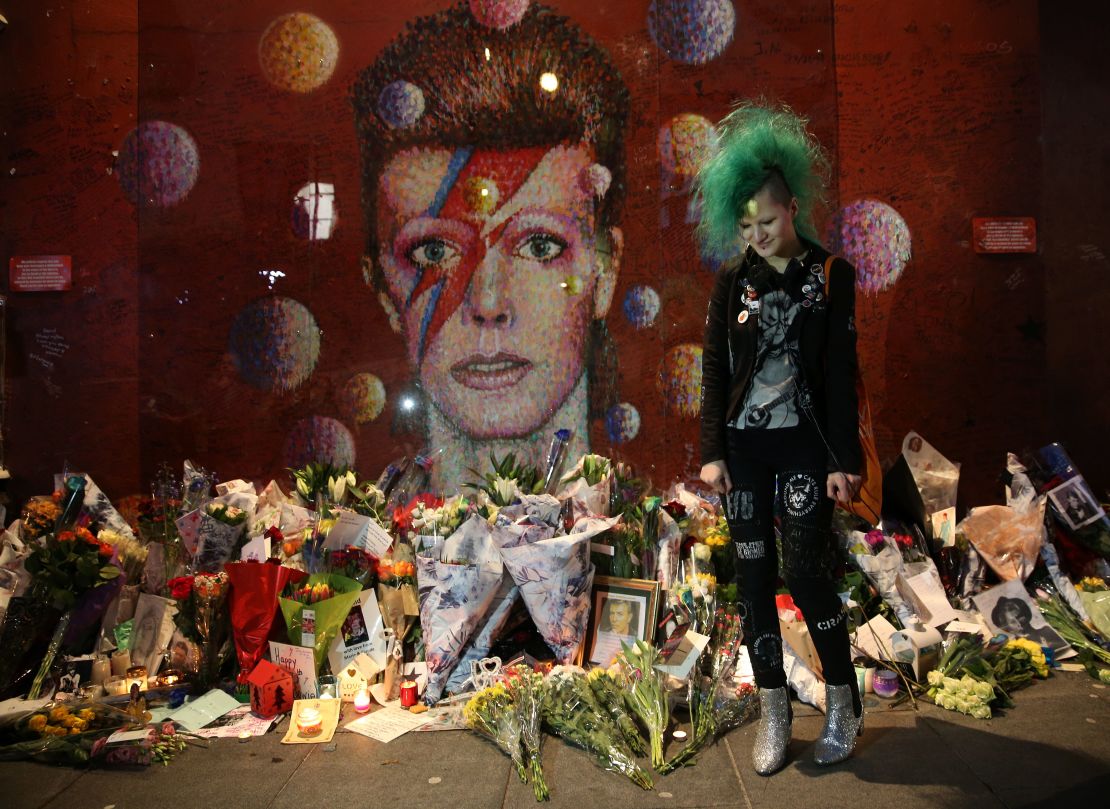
x=1008, y=608
x=622, y=610
x=1075, y=503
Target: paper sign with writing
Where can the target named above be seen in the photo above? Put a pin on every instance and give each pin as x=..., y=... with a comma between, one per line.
x=40, y=273
x=299, y=661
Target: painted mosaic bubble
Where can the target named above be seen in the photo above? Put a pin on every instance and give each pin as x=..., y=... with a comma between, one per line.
x=401, y=104
x=641, y=306
x=680, y=380
x=319, y=439
x=362, y=398
x=498, y=13
x=692, y=32
x=875, y=238
x=622, y=422
x=684, y=143
x=274, y=343
x=298, y=52
x=158, y=164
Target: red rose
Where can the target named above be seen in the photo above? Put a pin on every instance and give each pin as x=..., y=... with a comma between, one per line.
x=105, y=550
x=67, y=536
x=86, y=535
x=181, y=587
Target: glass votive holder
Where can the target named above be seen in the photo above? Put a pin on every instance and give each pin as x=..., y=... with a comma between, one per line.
x=886, y=683
x=328, y=685
x=309, y=722
x=116, y=685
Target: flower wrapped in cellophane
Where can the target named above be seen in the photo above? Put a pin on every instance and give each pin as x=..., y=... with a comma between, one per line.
x=554, y=574
x=526, y=689
x=492, y=714
x=571, y=711
x=457, y=586
x=610, y=697
x=315, y=608
x=644, y=692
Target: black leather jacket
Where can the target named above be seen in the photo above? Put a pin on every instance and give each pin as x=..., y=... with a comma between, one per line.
x=827, y=348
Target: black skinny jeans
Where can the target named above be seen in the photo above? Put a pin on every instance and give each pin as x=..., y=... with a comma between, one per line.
x=796, y=458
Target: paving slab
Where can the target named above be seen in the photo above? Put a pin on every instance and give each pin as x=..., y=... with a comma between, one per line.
x=442, y=768
x=1052, y=749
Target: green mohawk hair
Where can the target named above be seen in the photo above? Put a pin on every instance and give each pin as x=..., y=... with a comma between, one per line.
x=756, y=141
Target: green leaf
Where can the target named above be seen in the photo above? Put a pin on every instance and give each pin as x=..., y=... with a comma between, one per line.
x=109, y=572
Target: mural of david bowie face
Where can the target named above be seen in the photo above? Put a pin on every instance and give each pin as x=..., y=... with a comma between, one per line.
x=495, y=268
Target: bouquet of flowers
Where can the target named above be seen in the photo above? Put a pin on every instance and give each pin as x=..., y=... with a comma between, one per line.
x=130, y=552
x=525, y=688
x=39, y=516
x=65, y=566
x=492, y=714
x=314, y=610
x=354, y=563
x=571, y=711
x=456, y=590
x=208, y=596
x=610, y=697
x=399, y=605
x=964, y=680
x=253, y=602
x=588, y=486
x=161, y=744
x=644, y=693
x=713, y=712
x=507, y=480
x=59, y=733
x=555, y=577
x=442, y=519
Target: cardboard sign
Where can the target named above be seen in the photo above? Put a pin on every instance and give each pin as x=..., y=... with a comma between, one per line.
x=297, y=660
x=1004, y=234
x=40, y=273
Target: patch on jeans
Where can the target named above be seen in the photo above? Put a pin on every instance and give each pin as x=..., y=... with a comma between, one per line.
x=831, y=623
x=751, y=550
x=740, y=505
x=767, y=651
x=800, y=495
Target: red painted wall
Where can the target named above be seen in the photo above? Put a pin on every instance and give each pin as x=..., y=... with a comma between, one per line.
x=935, y=111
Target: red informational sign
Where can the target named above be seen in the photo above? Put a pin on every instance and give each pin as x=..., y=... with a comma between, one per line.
x=40, y=273
x=1004, y=234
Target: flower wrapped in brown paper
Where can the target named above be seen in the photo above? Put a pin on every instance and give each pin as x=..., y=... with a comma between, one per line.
x=1009, y=540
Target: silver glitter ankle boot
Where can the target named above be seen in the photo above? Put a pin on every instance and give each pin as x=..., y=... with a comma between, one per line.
x=842, y=726
x=773, y=735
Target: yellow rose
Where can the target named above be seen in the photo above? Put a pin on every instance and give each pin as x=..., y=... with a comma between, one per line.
x=37, y=723
x=88, y=714
x=59, y=713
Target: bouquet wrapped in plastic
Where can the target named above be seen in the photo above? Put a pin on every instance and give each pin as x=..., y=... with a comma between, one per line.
x=571, y=711
x=492, y=714
x=644, y=693
x=456, y=589
x=555, y=577
x=315, y=609
x=526, y=690
x=253, y=602
x=610, y=697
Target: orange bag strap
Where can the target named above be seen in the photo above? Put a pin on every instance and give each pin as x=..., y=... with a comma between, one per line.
x=828, y=273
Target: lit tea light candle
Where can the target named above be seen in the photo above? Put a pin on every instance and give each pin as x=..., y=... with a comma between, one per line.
x=169, y=677
x=245, y=736
x=136, y=675
x=362, y=701
x=679, y=735
x=309, y=721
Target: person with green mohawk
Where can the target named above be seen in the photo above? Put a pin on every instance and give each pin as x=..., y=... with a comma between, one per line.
x=779, y=406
